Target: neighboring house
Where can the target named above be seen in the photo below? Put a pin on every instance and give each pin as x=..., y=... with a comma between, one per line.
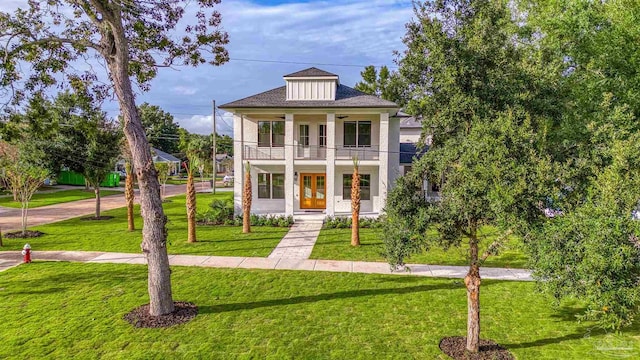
x=158, y=156
x=224, y=164
x=301, y=138
x=410, y=133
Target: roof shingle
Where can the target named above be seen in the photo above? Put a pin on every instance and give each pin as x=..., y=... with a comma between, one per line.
x=310, y=72
x=346, y=97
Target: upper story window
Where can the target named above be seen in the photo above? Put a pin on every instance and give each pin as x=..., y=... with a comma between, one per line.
x=304, y=135
x=271, y=133
x=322, y=135
x=357, y=133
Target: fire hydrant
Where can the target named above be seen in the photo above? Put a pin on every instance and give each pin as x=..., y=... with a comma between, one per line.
x=26, y=252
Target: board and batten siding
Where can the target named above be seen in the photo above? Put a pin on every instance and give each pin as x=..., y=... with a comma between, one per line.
x=311, y=89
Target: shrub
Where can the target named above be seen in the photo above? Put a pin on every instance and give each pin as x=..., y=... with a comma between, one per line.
x=266, y=220
x=220, y=212
x=345, y=223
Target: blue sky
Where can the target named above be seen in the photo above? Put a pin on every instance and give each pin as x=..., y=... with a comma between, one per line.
x=347, y=32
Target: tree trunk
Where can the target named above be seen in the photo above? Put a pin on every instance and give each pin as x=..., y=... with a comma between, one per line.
x=191, y=208
x=154, y=231
x=97, y=191
x=355, y=205
x=24, y=213
x=246, y=200
x=472, y=282
x=129, y=196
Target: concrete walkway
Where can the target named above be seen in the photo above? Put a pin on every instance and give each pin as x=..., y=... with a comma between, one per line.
x=14, y=258
x=298, y=242
x=11, y=219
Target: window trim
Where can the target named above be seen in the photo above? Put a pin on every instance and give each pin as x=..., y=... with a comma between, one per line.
x=322, y=135
x=346, y=189
x=357, y=134
x=271, y=134
x=307, y=136
x=270, y=186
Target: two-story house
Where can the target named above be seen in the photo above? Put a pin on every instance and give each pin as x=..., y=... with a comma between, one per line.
x=301, y=139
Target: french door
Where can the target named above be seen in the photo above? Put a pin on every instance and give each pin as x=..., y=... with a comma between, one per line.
x=313, y=190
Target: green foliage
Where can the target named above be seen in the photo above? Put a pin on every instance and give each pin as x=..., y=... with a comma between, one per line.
x=384, y=84
x=342, y=222
x=267, y=220
x=161, y=130
x=220, y=212
x=478, y=91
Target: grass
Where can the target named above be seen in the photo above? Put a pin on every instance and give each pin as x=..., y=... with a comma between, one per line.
x=112, y=235
x=67, y=310
x=335, y=244
x=57, y=197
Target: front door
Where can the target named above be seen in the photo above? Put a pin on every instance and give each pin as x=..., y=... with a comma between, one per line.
x=313, y=189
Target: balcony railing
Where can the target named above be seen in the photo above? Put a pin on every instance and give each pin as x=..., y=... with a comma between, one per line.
x=253, y=152
x=312, y=152
x=363, y=152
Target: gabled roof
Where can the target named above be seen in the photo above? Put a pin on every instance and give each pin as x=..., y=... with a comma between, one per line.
x=409, y=150
x=410, y=123
x=311, y=72
x=161, y=156
x=346, y=97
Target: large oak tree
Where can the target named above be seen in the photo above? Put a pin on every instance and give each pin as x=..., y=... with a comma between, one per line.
x=132, y=39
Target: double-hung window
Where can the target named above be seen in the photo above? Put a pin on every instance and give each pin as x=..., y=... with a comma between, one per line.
x=357, y=133
x=270, y=133
x=365, y=186
x=304, y=135
x=270, y=186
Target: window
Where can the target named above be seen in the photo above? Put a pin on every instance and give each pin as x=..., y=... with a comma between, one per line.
x=264, y=186
x=322, y=137
x=270, y=133
x=357, y=133
x=365, y=186
x=278, y=186
x=270, y=186
x=304, y=135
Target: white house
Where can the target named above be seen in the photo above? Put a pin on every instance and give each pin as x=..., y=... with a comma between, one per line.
x=300, y=140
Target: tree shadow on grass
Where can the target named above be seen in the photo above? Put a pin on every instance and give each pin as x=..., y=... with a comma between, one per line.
x=214, y=309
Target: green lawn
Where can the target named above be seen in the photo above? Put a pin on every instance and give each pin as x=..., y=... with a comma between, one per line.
x=335, y=244
x=112, y=235
x=57, y=197
x=67, y=310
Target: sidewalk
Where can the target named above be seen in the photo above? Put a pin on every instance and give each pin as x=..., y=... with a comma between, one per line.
x=10, y=219
x=13, y=258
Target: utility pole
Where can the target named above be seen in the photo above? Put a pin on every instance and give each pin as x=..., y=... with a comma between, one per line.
x=215, y=170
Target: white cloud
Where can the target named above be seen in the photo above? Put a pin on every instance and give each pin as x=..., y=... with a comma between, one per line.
x=184, y=90
x=202, y=124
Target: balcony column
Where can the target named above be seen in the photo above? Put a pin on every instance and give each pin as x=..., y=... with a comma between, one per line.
x=238, y=162
x=383, y=167
x=331, y=168
x=289, y=170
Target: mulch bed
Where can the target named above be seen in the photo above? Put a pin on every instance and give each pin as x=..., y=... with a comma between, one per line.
x=97, y=218
x=18, y=234
x=140, y=318
x=456, y=347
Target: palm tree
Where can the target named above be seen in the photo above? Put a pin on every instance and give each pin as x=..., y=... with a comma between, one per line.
x=246, y=200
x=355, y=204
x=191, y=199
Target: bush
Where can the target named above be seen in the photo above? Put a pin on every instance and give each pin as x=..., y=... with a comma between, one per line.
x=266, y=220
x=345, y=223
x=220, y=212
